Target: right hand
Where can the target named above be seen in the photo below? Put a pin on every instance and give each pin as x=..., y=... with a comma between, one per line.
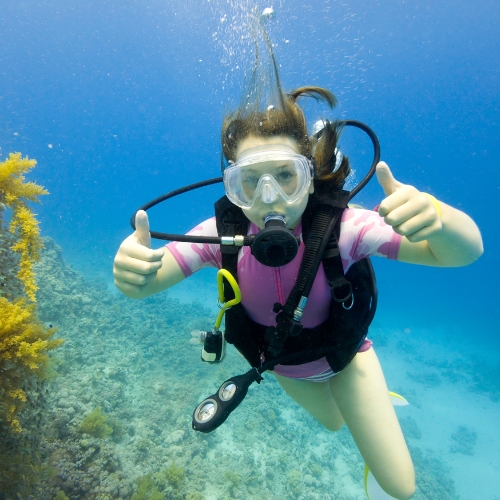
x=135, y=263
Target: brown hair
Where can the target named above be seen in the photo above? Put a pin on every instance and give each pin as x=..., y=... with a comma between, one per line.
x=289, y=120
x=282, y=116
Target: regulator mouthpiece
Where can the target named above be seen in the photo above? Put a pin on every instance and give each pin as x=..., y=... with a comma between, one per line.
x=275, y=245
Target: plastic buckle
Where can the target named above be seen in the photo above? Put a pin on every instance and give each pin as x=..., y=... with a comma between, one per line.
x=341, y=290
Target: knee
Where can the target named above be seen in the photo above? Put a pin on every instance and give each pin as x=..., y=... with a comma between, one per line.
x=396, y=482
x=403, y=491
x=333, y=425
x=407, y=494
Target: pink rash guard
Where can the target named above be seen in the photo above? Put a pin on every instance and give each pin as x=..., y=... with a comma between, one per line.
x=362, y=233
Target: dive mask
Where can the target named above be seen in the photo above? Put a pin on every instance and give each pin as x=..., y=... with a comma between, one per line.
x=269, y=174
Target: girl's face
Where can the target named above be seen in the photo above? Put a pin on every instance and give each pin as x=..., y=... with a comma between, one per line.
x=291, y=211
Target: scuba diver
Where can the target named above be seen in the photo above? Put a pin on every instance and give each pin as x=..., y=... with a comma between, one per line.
x=302, y=315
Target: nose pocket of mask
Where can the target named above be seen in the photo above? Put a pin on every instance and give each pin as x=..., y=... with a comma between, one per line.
x=268, y=193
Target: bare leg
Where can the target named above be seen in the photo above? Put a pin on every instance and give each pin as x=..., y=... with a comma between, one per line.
x=363, y=399
x=316, y=398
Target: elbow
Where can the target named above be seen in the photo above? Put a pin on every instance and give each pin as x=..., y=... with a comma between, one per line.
x=479, y=251
x=473, y=254
x=476, y=247
x=461, y=257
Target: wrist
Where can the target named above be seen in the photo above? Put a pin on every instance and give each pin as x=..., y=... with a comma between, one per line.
x=435, y=203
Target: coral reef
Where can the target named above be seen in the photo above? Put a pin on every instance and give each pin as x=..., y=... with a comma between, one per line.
x=147, y=489
x=94, y=424
x=161, y=485
x=25, y=342
x=61, y=496
x=410, y=428
x=433, y=478
x=464, y=441
x=173, y=475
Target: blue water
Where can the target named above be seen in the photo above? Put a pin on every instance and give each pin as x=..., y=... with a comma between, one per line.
x=120, y=102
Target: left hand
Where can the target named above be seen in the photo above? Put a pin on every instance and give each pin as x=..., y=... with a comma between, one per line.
x=410, y=212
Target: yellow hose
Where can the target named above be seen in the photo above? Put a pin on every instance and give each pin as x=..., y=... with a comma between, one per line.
x=223, y=273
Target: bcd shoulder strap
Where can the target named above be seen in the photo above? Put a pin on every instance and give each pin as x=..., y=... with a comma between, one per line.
x=349, y=318
x=231, y=221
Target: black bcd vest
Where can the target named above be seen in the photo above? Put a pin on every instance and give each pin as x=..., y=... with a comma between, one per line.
x=337, y=339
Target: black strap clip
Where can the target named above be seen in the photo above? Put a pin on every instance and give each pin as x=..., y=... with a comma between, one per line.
x=276, y=336
x=341, y=290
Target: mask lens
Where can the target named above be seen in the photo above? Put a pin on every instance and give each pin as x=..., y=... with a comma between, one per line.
x=289, y=178
x=267, y=176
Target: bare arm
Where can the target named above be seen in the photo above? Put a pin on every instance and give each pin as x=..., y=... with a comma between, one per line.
x=450, y=239
x=140, y=271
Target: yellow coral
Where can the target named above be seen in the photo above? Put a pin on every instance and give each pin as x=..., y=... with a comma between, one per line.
x=23, y=336
x=15, y=193
x=28, y=245
x=24, y=344
x=18, y=394
x=12, y=182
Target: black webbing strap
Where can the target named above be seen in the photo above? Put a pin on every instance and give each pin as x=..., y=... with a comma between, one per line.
x=332, y=262
x=230, y=221
x=325, y=218
x=334, y=270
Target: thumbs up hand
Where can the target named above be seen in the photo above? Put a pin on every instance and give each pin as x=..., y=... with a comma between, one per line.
x=141, y=234
x=135, y=264
x=410, y=212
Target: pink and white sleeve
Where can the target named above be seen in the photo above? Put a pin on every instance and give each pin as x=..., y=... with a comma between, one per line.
x=364, y=233
x=192, y=257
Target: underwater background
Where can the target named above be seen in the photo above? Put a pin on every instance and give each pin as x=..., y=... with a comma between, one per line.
x=120, y=102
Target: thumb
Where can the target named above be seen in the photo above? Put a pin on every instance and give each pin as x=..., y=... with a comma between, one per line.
x=386, y=179
x=142, y=229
